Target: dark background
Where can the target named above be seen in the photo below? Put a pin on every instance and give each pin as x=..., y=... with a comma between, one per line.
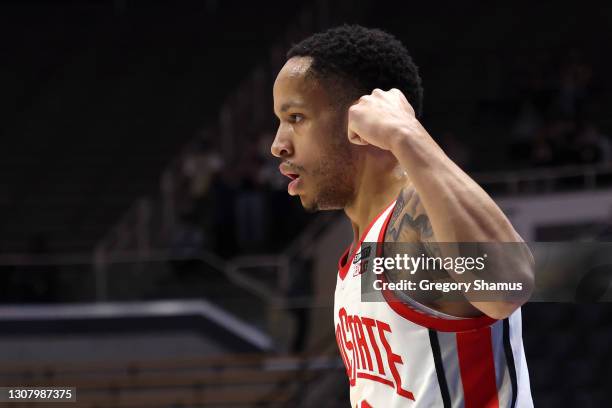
x=95, y=94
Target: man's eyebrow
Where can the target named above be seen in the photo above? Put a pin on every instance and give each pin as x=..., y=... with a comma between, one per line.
x=285, y=106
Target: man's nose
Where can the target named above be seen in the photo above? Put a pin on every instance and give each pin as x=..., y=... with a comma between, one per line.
x=281, y=147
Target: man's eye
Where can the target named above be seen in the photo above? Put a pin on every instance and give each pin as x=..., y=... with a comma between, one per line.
x=295, y=118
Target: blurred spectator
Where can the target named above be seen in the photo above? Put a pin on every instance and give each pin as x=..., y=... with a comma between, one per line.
x=527, y=123
x=186, y=246
x=541, y=151
x=549, y=128
x=552, y=143
x=231, y=205
x=200, y=167
x=561, y=142
x=591, y=146
x=250, y=205
x=574, y=81
x=269, y=174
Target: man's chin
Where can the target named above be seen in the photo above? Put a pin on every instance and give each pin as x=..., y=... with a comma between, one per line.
x=309, y=206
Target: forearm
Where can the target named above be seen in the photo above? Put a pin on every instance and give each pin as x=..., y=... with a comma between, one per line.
x=458, y=208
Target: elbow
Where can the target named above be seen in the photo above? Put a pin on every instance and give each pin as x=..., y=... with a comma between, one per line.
x=509, y=301
x=521, y=284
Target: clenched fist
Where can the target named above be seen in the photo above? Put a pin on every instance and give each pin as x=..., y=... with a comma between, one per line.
x=381, y=119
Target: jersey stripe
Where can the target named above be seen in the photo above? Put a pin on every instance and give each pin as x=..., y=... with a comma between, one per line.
x=477, y=368
x=450, y=359
x=510, y=360
x=435, y=348
x=502, y=375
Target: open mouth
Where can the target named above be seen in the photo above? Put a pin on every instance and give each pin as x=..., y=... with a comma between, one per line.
x=294, y=185
x=286, y=172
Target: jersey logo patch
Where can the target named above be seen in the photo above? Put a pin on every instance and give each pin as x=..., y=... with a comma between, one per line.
x=363, y=254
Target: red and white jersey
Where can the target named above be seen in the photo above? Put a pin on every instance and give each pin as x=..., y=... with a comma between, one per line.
x=402, y=355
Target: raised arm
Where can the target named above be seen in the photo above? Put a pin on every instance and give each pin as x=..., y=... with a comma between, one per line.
x=443, y=204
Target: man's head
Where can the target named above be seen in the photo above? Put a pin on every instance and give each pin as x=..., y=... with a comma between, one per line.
x=324, y=74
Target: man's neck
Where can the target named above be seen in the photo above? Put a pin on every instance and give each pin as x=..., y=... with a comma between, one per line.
x=376, y=189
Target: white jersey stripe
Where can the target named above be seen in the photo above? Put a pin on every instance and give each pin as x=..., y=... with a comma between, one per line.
x=448, y=343
x=523, y=399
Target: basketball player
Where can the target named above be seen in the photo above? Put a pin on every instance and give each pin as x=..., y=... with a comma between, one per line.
x=349, y=138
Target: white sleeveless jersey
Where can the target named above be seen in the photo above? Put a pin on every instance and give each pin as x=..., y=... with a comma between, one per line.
x=398, y=355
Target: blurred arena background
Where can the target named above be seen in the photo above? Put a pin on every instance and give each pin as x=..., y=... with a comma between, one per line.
x=149, y=253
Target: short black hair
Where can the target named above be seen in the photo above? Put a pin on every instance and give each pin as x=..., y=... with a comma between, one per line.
x=365, y=59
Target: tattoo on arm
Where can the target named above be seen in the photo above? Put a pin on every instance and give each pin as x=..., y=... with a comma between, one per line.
x=409, y=224
x=410, y=232
x=408, y=218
